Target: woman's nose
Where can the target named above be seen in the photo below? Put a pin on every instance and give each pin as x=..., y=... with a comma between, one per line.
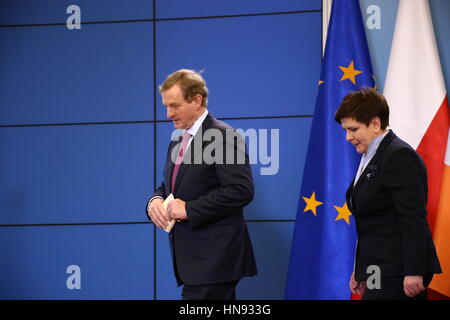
x=348, y=136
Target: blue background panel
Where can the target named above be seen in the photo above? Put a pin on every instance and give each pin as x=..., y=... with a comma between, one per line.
x=201, y=8
x=164, y=131
x=166, y=284
x=380, y=38
x=103, y=72
x=276, y=196
x=116, y=262
x=75, y=174
x=54, y=11
x=271, y=244
x=254, y=66
x=439, y=12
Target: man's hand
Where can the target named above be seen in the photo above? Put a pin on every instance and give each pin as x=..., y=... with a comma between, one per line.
x=357, y=287
x=177, y=209
x=413, y=285
x=157, y=213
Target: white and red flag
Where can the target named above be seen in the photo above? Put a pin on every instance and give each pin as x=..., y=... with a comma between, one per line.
x=418, y=102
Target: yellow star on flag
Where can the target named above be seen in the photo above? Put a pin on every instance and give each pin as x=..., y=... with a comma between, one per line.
x=344, y=213
x=350, y=73
x=320, y=82
x=311, y=203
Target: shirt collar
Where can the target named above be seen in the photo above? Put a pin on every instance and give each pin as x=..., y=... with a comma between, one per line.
x=373, y=146
x=198, y=123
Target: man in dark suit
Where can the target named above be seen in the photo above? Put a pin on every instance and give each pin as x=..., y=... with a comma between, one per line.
x=388, y=200
x=211, y=248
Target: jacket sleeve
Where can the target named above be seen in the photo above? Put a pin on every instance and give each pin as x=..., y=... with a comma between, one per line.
x=235, y=190
x=407, y=185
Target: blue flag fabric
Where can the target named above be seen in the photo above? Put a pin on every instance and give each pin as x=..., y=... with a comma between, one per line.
x=323, y=246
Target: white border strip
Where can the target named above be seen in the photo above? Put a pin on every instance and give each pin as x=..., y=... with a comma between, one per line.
x=326, y=12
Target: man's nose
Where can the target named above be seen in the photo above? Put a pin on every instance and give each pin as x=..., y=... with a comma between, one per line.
x=170, y=113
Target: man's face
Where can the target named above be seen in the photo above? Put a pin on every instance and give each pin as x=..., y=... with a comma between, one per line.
x=359, y=134
x=182, y=112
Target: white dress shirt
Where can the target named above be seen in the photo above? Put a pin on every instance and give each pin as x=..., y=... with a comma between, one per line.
x=366, y=157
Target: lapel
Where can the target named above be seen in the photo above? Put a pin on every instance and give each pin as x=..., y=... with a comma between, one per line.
x=193, y=151
x=383, y=145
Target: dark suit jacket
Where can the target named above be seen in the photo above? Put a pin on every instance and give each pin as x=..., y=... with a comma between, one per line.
x=389, y=206
x=213, y=244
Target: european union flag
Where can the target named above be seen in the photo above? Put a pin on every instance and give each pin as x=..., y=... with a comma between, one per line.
x=323, y=246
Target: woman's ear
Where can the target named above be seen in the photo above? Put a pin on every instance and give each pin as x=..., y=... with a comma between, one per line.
x=376, y=124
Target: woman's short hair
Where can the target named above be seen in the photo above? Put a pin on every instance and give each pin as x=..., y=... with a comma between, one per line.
x=363, y=105
x=191, y=83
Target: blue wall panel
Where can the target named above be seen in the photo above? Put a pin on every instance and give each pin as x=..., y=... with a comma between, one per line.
x=201, y=8
x=164, y=131
x=380, y=40
x=75, y=174
x=276, y=196
x=54, y=11
x=271, y=243
x=166, y=284
x=254, y=66
x=116, y=262
x=55, y=75
x=439, y=12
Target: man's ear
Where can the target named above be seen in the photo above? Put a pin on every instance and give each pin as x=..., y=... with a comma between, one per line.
x=198, y=99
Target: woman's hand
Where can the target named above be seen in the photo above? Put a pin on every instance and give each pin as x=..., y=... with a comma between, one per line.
x=357, y=287
x=413, y=285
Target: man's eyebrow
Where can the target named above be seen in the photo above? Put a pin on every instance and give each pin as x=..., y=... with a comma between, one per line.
x=169, y=104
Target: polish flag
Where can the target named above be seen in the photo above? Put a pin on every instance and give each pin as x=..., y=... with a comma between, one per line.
x=441, y=282
x=419, y=114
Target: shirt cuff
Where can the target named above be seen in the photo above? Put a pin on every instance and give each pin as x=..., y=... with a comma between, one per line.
x=155, y=197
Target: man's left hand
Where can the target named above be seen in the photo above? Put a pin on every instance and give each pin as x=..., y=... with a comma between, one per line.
x=177, y=209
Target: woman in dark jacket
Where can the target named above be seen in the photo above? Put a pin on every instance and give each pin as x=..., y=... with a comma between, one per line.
x=388, y=200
